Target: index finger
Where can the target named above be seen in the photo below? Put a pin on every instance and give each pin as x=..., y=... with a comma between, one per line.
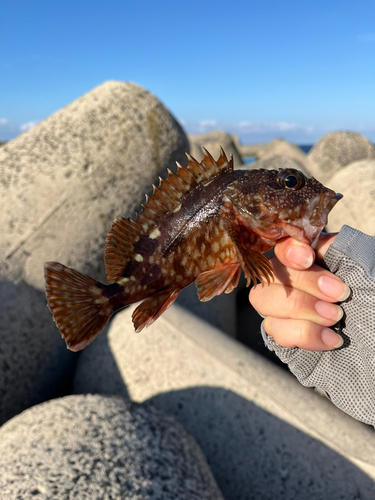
x=315, y=281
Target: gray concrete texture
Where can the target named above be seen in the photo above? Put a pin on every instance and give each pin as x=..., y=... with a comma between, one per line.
x=86, y=163
x=281, y=147
x=264, y=435
x=278, y=147
x=277, y=162
x=95, y=447
x=357, y=209
x=212, y=142
x=336, y=150
x=61, y=185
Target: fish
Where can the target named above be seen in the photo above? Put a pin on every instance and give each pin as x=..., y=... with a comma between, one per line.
x=205, y=223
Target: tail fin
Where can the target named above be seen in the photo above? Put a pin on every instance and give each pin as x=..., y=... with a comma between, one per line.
x=78, y=305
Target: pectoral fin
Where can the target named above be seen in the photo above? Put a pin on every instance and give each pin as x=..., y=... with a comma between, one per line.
x=234, y=282
x=248, y=246
x=214, y=282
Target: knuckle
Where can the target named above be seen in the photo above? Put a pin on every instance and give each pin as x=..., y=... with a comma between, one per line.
x=276, y=327
x=308, y=336
x=295, y=302
x=303, y=334
x=291, y=333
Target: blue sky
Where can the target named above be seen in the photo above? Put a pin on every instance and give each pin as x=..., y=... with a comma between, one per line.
x=261, y=69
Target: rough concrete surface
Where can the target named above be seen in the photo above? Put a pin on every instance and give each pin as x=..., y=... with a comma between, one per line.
x=76, y=170
x=264, y=435
x=336, y=150
x=95, y=447
x=281, y=147
x=277, y=162
x=212, y=142
x=61, y=184
x=357, y=209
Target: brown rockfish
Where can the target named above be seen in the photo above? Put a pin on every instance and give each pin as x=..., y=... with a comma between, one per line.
x=204, y=223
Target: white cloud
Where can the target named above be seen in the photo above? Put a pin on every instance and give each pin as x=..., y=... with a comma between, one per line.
x=208, y=123
x=3, y=121
x=27, y=126
x=245, y=127
x=248, y=127
x=275, y=127
x=201, y=127
x=285, y=126
x=254, y=132
x=244, y=124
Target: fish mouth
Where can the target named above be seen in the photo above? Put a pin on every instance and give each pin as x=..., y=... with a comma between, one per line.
x=331, y=203
x=316, y=215
x=319, y=208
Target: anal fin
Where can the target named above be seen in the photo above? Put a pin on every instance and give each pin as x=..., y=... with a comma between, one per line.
x=152, y=308
x=216, y=281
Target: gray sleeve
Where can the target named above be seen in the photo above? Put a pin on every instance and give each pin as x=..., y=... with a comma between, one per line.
x=346, y=374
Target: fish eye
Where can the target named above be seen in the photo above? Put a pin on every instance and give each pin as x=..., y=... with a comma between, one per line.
x=291, y=179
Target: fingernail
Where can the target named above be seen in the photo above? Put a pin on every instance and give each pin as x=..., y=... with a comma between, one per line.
x=301, y=256
x=333, y=288
x=331, y=338
x=329, y=311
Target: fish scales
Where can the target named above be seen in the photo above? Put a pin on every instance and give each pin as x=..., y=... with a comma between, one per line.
x=191, y=227
x=204, y=223
x=202, y=205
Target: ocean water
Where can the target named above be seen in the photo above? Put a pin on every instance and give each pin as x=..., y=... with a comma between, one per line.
x=305, y=148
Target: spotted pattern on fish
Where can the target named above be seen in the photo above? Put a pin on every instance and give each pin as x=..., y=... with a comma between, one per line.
x=204, y=223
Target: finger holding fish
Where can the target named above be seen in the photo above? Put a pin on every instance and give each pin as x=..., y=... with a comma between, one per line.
x=299, y=304
x=316, y=281
x=287, y=302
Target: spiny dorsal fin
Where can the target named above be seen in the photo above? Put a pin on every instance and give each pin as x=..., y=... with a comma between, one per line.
x=167, y=195
x=208, y=167
x=124, y=233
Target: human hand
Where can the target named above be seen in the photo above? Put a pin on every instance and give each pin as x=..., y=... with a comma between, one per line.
x=299, y=305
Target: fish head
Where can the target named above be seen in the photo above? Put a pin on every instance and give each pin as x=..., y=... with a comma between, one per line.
x=284, y=203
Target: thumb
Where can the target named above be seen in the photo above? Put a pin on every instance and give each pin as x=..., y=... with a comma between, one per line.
x=325, y=240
